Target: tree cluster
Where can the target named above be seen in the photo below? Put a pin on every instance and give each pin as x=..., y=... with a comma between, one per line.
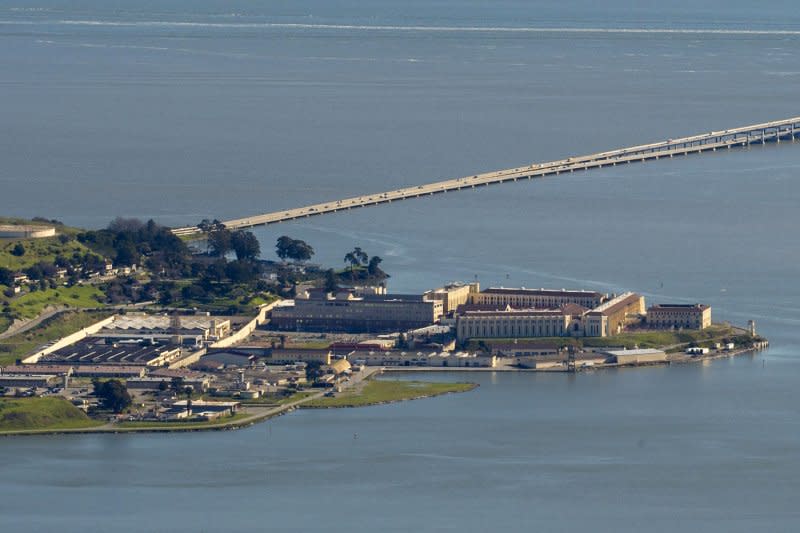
x=130, y=241
x=361, y=262
x=295, y=249
x=113, y=394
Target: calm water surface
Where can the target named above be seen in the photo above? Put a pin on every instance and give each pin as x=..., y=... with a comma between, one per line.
x=183, y=110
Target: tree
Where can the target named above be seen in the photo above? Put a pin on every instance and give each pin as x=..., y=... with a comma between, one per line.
x=286, y=247
x=177, y=384
x=373, y=267
x=246, y=246
x=283, y=246
x=313, y=370
x=241, y=271
x=6, y=276
x=360, y=255
x=301, y=251
x=331, y=283
x=127, y=254
x=18, y=250
x=113, y=394
x=220, y=241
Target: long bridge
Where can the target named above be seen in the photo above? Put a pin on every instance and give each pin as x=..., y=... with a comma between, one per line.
x=775, y=131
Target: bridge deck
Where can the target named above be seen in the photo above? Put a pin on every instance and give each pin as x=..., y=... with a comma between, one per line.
x=776, y=131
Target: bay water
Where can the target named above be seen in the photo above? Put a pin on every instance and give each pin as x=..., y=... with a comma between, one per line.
x=183, y=110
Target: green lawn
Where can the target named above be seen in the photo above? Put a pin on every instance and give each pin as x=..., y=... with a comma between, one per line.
x=383, y=391
x=42, y=413
x=37, y=250
x=30, y=305
x=221, y=304
x=18, y=346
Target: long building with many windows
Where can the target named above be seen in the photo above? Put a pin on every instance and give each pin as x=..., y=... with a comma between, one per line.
x=669, y=316
x=568, y=320
x=523, y=298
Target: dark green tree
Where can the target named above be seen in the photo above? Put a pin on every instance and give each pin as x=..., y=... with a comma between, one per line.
x=283, y=246
x=18, y=250
x=373, y=267
x=113, y=394
x=300, y=251
x=220, y=241
x=331, y=283
x=6, y=277
x=246, y=246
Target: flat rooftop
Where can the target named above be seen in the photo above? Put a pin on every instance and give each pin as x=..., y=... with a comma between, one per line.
x=95, y=351
x=142, y=322
x=542, y=292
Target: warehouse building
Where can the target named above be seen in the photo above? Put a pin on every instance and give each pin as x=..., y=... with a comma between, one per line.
x=96, y=351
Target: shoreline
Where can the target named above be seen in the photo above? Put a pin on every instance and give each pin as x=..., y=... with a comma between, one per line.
x=263, y=414
x=605, y=366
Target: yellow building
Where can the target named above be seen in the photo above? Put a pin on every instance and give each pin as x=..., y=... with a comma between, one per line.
x=452, y=295
x=611, y=317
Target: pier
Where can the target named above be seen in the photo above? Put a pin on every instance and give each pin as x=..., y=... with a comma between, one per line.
x=775, y=131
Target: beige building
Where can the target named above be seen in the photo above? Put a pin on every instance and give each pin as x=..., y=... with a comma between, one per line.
x=569, y=320
x=689, y=316
x=512, y=323
x=611, y=317
x=536, y=298
x=452, y=295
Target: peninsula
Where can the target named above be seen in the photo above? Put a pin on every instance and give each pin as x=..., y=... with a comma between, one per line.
x=130, y=329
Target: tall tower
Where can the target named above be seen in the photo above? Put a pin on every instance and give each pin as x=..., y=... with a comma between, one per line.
x=751, y=327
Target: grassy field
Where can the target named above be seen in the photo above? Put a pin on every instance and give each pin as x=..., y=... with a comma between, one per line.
x=37, y=250
x=59, y=326
x=183, y=425
x=384, y=391
x=642, y=339
x=42, y=413
x=221, y=305
x=31, y=305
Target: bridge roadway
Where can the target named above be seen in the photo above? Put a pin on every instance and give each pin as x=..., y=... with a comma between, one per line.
x=775, y=131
